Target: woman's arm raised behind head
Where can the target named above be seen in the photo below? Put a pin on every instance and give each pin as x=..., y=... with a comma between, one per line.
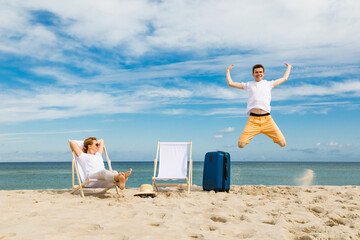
x=75, y=147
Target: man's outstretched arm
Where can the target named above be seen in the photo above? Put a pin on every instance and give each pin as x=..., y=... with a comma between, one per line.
x=285, y=77
x=230, y=81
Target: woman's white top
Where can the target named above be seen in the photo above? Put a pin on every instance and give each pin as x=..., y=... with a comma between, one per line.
x=91, y=163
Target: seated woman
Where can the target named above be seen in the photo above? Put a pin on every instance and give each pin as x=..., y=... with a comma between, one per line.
x=91, y=161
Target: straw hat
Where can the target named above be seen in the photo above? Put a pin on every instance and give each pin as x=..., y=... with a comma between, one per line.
x=146, y=190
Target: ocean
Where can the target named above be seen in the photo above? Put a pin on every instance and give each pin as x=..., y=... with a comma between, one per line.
x=57, y=175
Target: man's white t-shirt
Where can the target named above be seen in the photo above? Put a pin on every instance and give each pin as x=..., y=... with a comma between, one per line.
x=91, y=163
x=259, y=95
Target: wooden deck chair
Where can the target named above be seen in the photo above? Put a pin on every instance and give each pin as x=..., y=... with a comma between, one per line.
x=173, y=164
x=81, y=176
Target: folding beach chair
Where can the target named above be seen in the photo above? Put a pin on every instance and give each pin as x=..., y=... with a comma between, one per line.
x=81, y=175
x=173, y=162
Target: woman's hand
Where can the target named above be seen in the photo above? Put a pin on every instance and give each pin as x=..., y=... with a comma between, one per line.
x=101, y=146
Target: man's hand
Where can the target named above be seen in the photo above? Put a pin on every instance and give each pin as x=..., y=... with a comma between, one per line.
x=288, y=65
x=230, y=67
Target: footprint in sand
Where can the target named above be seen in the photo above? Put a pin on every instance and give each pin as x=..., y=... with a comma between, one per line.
x=196, y=236
x=300, y=220
x=304, y=237
x=246, y=234
x=240, y=218
x=269, y=221
x=155, y=224
x=249, y=210
x=337, y=219
x=319, y=199
x=161, y=215
x=317, y=209
x=208, y=228
x=352, y=216
x=218, y=219
x=329, y=223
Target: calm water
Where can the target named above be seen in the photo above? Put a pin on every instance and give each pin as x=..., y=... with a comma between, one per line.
x=58, y=175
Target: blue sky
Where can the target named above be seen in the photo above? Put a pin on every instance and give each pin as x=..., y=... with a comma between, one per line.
x=138, y=72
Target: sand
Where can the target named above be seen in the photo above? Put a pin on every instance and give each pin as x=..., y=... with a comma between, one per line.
x=247, y=212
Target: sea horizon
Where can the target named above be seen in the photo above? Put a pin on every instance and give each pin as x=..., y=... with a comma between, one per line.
x=277, y=161
x=57, y=175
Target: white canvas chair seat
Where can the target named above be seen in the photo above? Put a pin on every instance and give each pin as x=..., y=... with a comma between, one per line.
x=173, y=163
x=81, y=175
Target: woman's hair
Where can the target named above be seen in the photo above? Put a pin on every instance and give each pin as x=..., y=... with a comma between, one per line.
x=88, y=142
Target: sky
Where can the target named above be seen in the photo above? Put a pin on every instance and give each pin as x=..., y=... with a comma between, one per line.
x=137, y=72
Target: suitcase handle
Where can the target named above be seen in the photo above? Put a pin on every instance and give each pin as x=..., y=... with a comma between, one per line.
x=225, y=166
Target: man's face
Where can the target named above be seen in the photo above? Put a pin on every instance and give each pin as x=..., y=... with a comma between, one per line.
x=258, y=74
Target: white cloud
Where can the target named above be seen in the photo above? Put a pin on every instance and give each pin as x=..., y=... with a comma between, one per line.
x=154, y=92
x=59, y=103
x=172, y=111
x=56, y=103
x=227, y=130
x=314, y=107
x=129, y=30
x=183, y=24
x=143, y=26
x=217, y=92
x=45, y=133
x=334, y=144
x=338, y=145
x=345, y=88
x=226, y=111
x=161, y=75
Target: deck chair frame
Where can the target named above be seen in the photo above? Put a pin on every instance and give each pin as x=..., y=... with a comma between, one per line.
x=188, y=179
x=81, y=185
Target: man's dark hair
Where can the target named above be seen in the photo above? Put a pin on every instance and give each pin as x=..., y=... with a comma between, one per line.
x=258, y=66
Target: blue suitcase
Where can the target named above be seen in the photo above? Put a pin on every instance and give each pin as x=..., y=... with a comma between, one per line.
x=216, y=174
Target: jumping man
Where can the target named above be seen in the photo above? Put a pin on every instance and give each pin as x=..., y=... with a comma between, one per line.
x=258, y=105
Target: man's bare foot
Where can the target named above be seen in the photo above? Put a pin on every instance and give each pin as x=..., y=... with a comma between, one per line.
x=121, y=182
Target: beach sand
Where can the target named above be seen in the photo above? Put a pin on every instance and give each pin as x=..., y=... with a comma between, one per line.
x=247, y=212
